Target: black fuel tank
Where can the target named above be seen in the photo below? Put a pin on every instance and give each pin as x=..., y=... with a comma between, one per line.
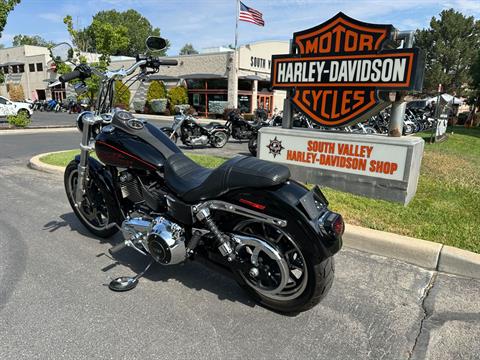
x=144, y=148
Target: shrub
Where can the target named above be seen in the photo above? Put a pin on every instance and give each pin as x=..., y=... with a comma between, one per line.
x=156, y=90
x=20, y=120
x=139, y=106
x=158, y=105
x=177, y=96
x=122, y=95
x=217, y=107
x=15, y=92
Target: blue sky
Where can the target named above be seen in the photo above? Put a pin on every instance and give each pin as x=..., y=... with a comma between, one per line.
x=208, y=23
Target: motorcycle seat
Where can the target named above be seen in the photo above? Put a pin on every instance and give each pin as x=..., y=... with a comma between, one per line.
x=211, y=125
x=194, y=183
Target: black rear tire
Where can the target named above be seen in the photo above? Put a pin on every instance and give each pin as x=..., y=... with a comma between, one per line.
x=219, y=139
x=319, y=279
x=107, y=208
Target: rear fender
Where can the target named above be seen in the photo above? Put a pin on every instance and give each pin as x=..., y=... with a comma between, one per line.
x=283, y=202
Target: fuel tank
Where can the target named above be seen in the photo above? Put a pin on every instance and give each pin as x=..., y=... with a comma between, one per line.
x=133, y=143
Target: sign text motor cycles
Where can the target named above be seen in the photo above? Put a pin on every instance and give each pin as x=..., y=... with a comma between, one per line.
x=339, y=68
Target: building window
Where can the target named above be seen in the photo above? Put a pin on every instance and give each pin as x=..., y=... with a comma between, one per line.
x=39, y=67
x=21, y=68
x=14, y=69
x=31, y=67
x=5, y=69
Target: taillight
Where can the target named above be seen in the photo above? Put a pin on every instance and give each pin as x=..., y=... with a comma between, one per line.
x=338, y=226
x=332, y=223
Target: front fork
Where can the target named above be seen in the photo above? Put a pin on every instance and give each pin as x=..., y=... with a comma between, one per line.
x=85, y=147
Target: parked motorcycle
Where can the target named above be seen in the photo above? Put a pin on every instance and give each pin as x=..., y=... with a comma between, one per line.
x=191, y=133
x=241, y=129
x=276, y=237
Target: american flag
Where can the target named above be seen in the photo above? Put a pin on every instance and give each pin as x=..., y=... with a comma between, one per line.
x=250, y=15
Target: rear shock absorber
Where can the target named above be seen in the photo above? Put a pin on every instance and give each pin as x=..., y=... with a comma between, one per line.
x=225, y=248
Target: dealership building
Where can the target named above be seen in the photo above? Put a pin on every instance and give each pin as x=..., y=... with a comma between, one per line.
x=212, y=76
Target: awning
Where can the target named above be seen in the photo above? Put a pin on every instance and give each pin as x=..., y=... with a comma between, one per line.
x=12, y=63
x=202, y=76
x=253, y=77
x=163, y=77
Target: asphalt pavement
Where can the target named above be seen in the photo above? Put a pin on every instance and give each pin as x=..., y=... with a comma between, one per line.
x=54, y=303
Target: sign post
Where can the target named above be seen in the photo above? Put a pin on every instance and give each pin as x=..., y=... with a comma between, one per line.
x=340, y=73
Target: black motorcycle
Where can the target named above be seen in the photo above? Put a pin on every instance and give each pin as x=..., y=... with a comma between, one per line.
x=273, y=235
x=191, y=133
x=241, y=129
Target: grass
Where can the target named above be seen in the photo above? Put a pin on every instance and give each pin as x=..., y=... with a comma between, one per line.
x=446, y=208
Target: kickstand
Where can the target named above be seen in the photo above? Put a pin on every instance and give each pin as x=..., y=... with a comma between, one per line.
x=125, y=283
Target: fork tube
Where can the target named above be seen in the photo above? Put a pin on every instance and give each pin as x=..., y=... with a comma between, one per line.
x=82, y=165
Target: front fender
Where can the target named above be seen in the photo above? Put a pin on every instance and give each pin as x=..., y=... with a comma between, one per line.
x=283, y=201
x=99, y=172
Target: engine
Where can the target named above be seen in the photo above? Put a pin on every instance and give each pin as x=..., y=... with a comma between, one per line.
x=163, y=239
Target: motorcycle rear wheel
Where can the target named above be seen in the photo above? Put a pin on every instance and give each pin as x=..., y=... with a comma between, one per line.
x=219, y=139
x=98, y=210
x=309, y=280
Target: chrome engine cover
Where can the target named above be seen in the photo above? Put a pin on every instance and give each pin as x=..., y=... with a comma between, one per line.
x=166, y=242
x=163, y=239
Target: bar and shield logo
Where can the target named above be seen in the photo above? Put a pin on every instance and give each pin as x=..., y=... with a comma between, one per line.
x=339, y=68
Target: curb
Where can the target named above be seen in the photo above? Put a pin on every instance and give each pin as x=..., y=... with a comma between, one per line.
x=27, y=131
x=426, y=254
x=36, y=164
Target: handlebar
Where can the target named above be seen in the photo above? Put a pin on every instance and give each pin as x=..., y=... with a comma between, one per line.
x=75, y=74
x=168, y=62
x=84, y=71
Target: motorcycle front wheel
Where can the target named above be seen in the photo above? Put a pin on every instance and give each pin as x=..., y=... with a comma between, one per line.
x=98, y=211
x=252, y=146
x=301, y=287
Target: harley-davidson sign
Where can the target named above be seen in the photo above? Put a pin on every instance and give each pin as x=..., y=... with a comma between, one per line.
x=340, y=66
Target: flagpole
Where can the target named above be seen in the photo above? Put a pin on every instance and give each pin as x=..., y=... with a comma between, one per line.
x=235, y=65
x=237, y=2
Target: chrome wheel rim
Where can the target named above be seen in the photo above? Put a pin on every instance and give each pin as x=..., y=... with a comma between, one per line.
x=297, y=268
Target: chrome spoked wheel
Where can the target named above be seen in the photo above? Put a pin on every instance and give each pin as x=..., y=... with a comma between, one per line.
x=93, y=209
x=279, y=271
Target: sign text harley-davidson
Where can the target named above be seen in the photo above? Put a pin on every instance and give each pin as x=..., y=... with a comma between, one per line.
x=340, y=66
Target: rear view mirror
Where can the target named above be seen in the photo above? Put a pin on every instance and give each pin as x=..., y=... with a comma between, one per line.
x=62, y=52
x=156, y=43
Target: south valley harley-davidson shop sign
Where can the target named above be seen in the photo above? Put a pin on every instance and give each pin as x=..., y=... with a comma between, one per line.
x=339, y=68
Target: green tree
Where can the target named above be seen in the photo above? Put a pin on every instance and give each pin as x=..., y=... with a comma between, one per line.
x=156, y=90
x=177, y=96
x=450, y=48
x=122, y=95
x=30, y=40
x=109, y=39
x=5, y=7
x=138, y=28
x=188, y=49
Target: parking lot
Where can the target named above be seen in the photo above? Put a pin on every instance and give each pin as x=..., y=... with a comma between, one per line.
x=54, y=302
